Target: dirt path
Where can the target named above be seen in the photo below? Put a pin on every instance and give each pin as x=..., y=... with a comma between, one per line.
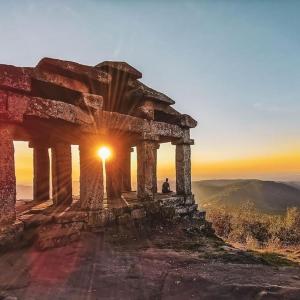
x=98, y=268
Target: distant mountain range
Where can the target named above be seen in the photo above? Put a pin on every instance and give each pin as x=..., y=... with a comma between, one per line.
x=266, y=196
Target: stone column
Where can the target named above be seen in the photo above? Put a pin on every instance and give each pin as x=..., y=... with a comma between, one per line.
x=61, y=173
x=7, y=176
x=113, y=167
x=126, y=169
x=41, y=169
x=91, y=178
x=183, y=169
x=183, y=164
x=156, y=147
x=145, y=169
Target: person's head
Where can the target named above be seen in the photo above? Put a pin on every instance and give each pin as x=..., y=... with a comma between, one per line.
x=167, y=179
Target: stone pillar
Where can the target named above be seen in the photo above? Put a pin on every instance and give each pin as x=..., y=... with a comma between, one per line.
x=156, y=147
x=41, y=169
x=145, y=169
x=183, y=164
x=126, y=169
x=7, y=176
x=113, y=168
x=61, y=174
x=91, y=178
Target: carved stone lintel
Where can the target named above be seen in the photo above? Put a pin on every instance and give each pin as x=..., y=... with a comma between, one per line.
x=187, y=121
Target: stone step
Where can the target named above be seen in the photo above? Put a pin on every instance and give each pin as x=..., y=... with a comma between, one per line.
x=57, y=235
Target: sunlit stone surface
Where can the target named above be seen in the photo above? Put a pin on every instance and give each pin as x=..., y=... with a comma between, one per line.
x=59, y=103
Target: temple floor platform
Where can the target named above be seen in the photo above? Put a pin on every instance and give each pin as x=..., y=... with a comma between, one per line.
x=127, y=199
x=47, y=225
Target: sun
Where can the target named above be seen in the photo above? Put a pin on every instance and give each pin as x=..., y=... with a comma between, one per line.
x=104, y=152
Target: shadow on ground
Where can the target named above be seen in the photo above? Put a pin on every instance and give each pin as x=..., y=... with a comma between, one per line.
x=170, y=262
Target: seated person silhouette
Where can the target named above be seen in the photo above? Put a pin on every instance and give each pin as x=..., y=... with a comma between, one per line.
x=166, y=187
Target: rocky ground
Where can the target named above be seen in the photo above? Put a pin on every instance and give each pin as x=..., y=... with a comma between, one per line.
x=180, y=262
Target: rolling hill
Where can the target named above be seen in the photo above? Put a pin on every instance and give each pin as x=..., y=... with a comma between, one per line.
x=266, y=196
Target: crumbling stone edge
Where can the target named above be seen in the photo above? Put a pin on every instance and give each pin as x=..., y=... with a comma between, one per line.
x=45, y=230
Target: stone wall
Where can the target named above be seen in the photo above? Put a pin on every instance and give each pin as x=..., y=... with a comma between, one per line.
x=46, y=230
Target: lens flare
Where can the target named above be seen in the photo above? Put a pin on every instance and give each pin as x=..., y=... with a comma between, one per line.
x=104, y=152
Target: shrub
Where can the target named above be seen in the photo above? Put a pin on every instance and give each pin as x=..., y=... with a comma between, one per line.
x=246, y=225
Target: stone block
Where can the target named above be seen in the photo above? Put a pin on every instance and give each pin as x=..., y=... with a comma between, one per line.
x=125, y=219
x=173, y=201
x=189, y=200
x=17, y=78
x=89, y=101
x=138, y=213
x=57, y=235
x=119, y=66
x=34, y=220
x=101, y=218
x=182, y=210
x=70, y=75
x=71, y=216
x=187, y=121
x=57, y=241
x=9, y=235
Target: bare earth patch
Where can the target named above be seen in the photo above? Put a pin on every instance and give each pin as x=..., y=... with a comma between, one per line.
x=164, y=264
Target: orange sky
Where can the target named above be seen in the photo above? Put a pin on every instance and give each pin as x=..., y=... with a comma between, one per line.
x=280, y=165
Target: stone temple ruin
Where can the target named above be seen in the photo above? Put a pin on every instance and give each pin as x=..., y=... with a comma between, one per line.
x=60, y=103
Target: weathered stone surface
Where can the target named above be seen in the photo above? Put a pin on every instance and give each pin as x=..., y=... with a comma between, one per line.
x=12, y=106
x=61, y=174
x=89, y=101
x=166, y=130
x=138, y=214
x=16, y=78
x=189, y=200
x=187, y=121
x=145, y=169
x=156, y=147
x=121, y=122
x=70, y=217
x=183, y=169
x=173, y=201
x=10, y=234
x=69, y=103
x=71, y=75
x=126, y=169
x=188, y=209
x=199, y=215
x=7, y=176
x=144, y=92
x=34, y=220
x=50, y=109
x=114, y=169
x=145, y=110
x=101, y=218
x=13, y=228
x=91, y=178
x=125, y=220
x=57, y=235
x=41, y=170
x=119, y=66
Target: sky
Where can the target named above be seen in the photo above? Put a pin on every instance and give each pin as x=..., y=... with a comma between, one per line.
x=234, y=66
